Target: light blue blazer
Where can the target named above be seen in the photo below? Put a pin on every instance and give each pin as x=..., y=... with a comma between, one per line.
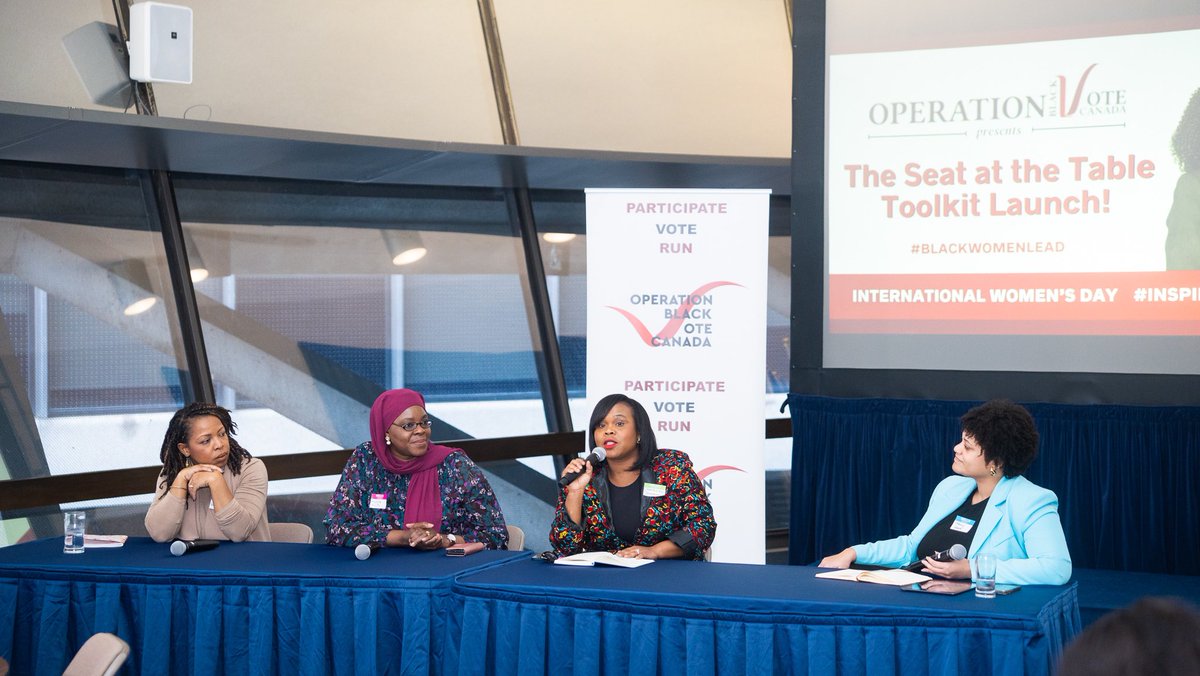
x=1019, y=525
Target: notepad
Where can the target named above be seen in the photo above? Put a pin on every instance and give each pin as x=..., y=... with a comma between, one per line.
x=894, y=576
x=102, y=541
x=603, y=558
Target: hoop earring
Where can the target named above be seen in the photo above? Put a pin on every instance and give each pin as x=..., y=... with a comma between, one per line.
x=992, y=471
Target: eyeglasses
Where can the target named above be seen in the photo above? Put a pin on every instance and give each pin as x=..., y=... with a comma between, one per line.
x=410, y=426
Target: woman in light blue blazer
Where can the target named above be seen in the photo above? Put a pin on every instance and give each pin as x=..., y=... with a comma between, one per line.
x=986, y=506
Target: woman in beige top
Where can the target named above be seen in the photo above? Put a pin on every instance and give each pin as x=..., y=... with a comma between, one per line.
x=209, y=487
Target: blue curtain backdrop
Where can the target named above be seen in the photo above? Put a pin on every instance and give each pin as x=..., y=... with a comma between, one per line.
x=1126, y=477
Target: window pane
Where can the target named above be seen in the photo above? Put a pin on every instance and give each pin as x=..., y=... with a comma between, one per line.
x=317, y=296
x=779, y=301
x=87, y=349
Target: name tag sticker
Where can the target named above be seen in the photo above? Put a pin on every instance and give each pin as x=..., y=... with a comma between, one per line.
x=962, y=524
x=379, y=501
x=654, y=490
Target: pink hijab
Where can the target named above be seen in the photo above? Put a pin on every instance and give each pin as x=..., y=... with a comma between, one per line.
x=424, y=501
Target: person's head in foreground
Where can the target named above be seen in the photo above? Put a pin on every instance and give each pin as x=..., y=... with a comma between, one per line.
x=1155, y=635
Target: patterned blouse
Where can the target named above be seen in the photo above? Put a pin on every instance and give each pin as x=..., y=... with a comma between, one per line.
x=469, y=507
x=682, y=515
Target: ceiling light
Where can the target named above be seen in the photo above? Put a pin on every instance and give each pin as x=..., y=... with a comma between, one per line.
x=404, y=246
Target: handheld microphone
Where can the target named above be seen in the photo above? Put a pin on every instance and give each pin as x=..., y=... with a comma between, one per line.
x=364, y=552
x=955, y=553
x=181, y=547
x=595, y=458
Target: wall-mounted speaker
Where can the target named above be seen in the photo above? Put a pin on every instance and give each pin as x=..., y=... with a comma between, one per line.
x=98, y=56
x=160, y=43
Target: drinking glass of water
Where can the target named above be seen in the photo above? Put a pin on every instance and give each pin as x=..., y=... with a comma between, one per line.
x=985, y=575
x=73, y=530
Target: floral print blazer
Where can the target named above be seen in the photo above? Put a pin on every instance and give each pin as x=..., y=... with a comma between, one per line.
x=682, y=515
x=469, y=507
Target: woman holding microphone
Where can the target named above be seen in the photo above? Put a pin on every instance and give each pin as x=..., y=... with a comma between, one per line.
x=986, y=506
x=643, y=502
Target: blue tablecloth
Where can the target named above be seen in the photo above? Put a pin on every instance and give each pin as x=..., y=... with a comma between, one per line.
x=1103, y=591
x=530, y=618
x=242, y=608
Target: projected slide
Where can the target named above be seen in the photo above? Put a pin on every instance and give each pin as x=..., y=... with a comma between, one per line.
x=1030, y=189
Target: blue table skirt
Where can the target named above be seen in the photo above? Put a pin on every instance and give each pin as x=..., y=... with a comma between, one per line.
x=243, y=608
x=262, y=608
x=681, y=617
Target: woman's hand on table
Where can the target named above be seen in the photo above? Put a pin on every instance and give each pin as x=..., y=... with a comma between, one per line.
x=842, y=559
x=422, y=535
x=639, y=552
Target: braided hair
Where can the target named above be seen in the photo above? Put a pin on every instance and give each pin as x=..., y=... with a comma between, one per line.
x=180, y=429
x=1185, y=144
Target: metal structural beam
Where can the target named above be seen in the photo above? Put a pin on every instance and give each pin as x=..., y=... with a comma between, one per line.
x=36, y=133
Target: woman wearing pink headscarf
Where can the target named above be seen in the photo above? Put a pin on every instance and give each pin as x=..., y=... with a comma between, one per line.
x=401, y=490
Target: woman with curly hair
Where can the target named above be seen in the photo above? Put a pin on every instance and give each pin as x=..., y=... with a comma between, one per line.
x=209, y=486
x=1183, y=222
x=986, y=506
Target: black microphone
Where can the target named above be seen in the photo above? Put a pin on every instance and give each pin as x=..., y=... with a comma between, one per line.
x=955, y=553
x=595, y=458
x=364, y=551
x=181, y=547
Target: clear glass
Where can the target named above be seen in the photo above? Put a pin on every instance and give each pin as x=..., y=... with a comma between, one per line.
x=985, y=575
x=89, y=352
x=74, y=528
x=316, y=296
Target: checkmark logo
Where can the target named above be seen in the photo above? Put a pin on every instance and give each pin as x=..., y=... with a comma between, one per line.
x=701, y=474
x=1065, y=110
x=677, y=319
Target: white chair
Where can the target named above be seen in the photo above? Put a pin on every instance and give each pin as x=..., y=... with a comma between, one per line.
x=291, y=532
x=516, y=538
x=101, y=655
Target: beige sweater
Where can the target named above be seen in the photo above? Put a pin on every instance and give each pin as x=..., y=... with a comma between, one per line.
x=244, y=518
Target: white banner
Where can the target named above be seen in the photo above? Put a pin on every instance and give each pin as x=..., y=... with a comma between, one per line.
x=677, y=319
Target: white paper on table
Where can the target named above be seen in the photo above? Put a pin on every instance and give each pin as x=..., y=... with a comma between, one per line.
x=605, y=558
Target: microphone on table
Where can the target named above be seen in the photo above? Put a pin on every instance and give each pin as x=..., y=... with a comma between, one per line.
x=181, y=547
x=364, y=551
x=595, y=458
x=955, y=553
